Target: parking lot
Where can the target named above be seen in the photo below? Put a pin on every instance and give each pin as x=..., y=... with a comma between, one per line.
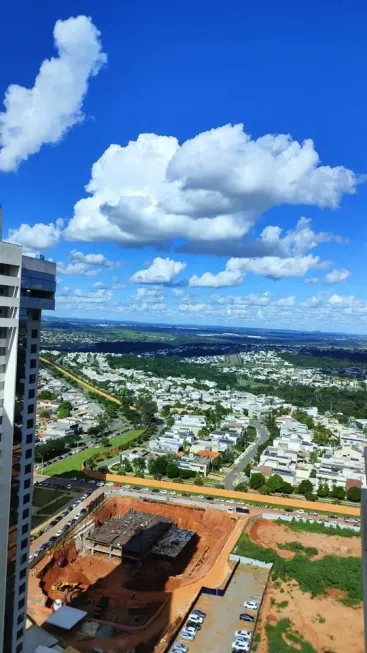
x=217, y=632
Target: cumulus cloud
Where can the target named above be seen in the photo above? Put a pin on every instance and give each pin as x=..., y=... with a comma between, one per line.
x=77, y=268
x=92, y=259
x=208, y=191
x=44, y=113
x=161, y=270
x=337, y=276
x=272, y=267
x=38, y=237
x=99, y=285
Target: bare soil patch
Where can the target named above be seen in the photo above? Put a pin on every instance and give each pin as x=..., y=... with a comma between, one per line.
x=323, y=621
x=268, y=534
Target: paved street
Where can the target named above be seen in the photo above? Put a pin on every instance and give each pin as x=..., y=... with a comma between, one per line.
x=231, y=478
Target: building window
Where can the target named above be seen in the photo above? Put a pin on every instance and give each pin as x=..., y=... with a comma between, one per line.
x=22, y=573
x=28, y=468
x=22, y=588
x=26, y=498
x=33, y=349
x=33, y=363
x=29, y=438
x=35, y=315
x=21, y=604
x=24, y=544
x=34, y=333
x=30, y=423
x=26, y=513
x=30, y=409
x=23, y=558
x=24, y=529
x=19, y=648
x=20, y=619
x=20, y=633
x=31, y=394
x=27, y=482
x=28, y=453
x=32, y=378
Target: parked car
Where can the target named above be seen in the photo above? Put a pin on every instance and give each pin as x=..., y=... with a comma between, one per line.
x=193, y=625
x=200, y=613
x=244, y=616
x=179, y=648
x=187, y=634
x=251, y=605
x=243, y=633
x=240, y=645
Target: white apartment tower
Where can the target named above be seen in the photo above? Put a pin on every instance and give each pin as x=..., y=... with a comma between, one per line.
x=27, y=285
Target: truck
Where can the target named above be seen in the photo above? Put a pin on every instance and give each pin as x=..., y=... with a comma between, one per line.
x=243, y=510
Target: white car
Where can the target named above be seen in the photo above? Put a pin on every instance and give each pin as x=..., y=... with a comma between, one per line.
x=251, y=605
x=240, y=645
x=163, y=491
x=195, y=617
x=186, y=634
x=245, y=634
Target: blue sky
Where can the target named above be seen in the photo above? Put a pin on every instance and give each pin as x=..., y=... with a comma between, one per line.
x=223, y=147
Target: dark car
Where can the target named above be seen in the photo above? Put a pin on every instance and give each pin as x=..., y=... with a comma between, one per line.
x=289, y=509
x=193, y=624
x=200, y=613
x=244, y=616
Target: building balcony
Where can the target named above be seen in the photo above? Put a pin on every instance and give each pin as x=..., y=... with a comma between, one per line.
x=6, y=280
x=42, y=303
x=8, y=322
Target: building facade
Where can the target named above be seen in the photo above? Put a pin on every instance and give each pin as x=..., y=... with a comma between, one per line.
x=27, y=285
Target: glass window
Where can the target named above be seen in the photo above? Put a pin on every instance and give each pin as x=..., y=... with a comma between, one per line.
x=29, y=438
x=33, y=349
x=32, y=378
x=30, y=409
x=34, y=333
x=30, y=423
x=31, y=394
x=26, y=513
x=33, y=363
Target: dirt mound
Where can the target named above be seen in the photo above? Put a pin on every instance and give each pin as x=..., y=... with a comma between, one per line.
x=269, y=534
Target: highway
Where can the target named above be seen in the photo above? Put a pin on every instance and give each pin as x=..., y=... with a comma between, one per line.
x=245, y=458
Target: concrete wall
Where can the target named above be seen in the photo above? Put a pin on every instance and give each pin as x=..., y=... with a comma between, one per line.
x=289, y=518
x=250, y=561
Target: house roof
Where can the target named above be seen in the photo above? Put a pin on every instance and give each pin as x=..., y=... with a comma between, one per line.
x=352, y=482
x=208, y=454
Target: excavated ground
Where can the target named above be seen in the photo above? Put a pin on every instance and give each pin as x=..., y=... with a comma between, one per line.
x=141, y=598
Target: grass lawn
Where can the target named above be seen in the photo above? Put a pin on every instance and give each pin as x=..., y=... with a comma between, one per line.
x=56, y=506
x=73, y=464
x=43, y=496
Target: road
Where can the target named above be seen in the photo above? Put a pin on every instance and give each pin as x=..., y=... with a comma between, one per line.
x=84, y=384
x=245, y=458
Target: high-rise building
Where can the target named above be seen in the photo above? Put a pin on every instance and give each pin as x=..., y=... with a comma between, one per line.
x=27, y=285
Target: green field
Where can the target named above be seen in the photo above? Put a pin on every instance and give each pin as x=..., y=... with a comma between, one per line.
x=48, y=503
x=73, y=464
x=42, y=496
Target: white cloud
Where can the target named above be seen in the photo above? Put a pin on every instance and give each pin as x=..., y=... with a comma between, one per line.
x=99, y=285
x=272, y=267
x=286, y=301
x=92, y=259
x=77, y=268
x=39, y=236
x=311, y=281
x=162, y=270
x=337, y=276
x=209, y=191
x=44, y=113
x=296, y=242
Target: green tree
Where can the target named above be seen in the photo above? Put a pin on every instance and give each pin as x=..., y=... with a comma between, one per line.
x=354, y=493
x=275, y=483
x=46, y=395
x=338, y=492
x=305, y=487
x=323, y=490
x=203, y=432
x=172, y=471
x=198, y=480
x=257, y=480
x=139, y=465
x=45, y=413
x=64, y=409
x=158, y=466
x=126, y=465
x=287, y=488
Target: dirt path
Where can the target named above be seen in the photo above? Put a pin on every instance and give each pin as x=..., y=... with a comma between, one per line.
x=84, y=384
x=227, y=494
x=268, y=534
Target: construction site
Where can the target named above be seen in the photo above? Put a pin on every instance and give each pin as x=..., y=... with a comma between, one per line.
x=132, y=568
